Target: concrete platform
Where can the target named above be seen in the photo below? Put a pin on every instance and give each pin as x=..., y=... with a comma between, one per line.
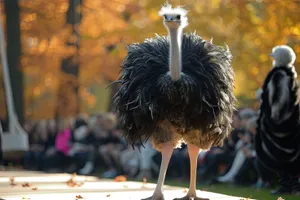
x=41, y=186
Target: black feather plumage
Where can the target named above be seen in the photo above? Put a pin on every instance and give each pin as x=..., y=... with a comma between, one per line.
x=277, y=140
x=149, y=103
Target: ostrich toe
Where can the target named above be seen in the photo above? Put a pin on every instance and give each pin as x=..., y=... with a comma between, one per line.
x=155, y=197
x=189, y=197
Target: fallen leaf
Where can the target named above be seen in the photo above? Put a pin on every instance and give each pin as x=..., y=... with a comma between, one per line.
x=12, y=181
x=34, y=188
x=79, y=197
x=120, y=178
x=108, y=195
x=144, y=180
x=185, y=190
x=26, y=185
x=72, y=183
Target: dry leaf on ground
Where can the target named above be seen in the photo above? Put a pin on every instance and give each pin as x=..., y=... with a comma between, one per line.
x=12, y=181
x=120, y=178
x=144, y=182
x=26, y=185
x=72, y=183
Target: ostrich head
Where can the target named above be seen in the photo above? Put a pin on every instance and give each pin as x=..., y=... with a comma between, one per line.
x=283, y=56
x=174, y=18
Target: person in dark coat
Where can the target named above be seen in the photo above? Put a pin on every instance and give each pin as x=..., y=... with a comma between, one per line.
x=277, y=141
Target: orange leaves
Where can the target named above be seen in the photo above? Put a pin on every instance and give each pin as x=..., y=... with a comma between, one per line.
x=296, y=30
x=30, y=17
x=72, y=183
x=12, y=182
x=144, y=185
x=42, y=19
x=63, y=7
x=144, y=180
x=120, y=179
x=263, y=57
x=45, y=35
x=26, y=185
x=98, y=17
x=89, y=99
x=153, y=15
x=250, y=29
x=263, y=25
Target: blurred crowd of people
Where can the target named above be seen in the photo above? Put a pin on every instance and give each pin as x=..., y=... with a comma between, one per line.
x=236, y=161
x=75, y=145
x=88, y=143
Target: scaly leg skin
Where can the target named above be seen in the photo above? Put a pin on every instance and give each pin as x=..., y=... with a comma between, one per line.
x=191, y=195
x=167, y=150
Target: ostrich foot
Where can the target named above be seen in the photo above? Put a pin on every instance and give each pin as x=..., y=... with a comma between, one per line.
x=191, y=197
x=192, y=193
x=155, y=196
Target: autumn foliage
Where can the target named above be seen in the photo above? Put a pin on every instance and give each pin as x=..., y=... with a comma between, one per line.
x=250, y=28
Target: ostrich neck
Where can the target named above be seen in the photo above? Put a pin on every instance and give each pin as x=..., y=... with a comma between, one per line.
x=175, y=53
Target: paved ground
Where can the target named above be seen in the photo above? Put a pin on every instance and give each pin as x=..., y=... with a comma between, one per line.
x=41, y=186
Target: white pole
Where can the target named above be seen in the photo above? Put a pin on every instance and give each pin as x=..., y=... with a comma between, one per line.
x=14, y=125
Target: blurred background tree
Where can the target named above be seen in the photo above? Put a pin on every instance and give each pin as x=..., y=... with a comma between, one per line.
x=72, y=49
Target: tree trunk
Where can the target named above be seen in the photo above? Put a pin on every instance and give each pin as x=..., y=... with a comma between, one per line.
x=68, y=94
x=12, y=11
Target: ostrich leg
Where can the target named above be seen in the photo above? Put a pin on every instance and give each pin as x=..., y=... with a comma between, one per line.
x=167, y=150
x=193, y=153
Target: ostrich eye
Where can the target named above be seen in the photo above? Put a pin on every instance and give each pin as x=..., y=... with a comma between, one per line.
x=178, y=16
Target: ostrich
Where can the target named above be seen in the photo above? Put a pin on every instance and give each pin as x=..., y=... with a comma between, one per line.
x=278, y=140
x=176, y=89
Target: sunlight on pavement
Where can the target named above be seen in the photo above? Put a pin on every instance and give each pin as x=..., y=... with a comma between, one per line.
x=40, y=186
